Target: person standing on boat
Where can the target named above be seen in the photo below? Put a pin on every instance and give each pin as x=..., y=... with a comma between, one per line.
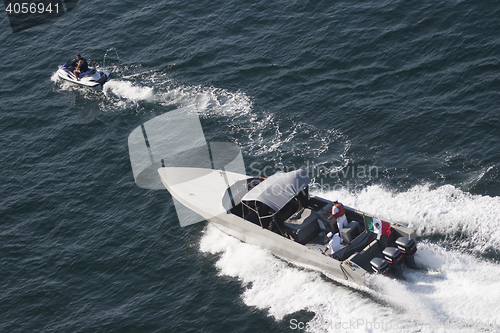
x=338, y=214
x=81, y=67
x=333, y=244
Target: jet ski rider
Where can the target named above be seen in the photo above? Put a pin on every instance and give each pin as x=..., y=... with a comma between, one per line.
x=81, y=67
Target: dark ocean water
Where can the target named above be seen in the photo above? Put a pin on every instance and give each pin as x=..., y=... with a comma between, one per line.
x=407, y=89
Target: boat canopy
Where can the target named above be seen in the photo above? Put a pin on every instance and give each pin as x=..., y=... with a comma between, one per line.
x=277, y=190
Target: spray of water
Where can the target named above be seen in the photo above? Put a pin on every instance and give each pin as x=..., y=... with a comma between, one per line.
x=465, y=220
x=453, y=292
x=106, y=54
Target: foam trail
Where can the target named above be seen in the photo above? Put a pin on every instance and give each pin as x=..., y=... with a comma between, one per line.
x=281, y=290
x=209, y=100
x=457, y=286
x=54, y=77
x=158, y=88
x=128, y=91
x=445, y=210
x=63, y=84
x=458, y=293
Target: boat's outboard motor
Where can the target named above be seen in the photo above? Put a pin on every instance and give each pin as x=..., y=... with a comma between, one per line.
x=379, y=266
x=408, y=248
x=395, y=258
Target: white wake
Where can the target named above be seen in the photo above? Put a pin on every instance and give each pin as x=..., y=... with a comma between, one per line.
x=457, y=292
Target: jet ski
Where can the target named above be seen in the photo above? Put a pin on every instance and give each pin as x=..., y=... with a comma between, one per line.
x=92, y=78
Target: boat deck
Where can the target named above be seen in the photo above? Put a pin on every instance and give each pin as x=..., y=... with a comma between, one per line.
x=321, y=242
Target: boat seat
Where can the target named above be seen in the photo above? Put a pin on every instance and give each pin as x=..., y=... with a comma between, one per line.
x=363, y=257
x=357, y=245
x=326, y=210
x=350, y=232
x=303, y=225
x=90, y=71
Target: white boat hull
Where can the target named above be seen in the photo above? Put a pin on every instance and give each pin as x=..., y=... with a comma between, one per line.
x=202, y=194
x=288, y=249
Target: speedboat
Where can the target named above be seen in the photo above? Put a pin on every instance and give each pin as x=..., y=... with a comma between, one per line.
x=92, y=78
x=208, y=181
x=280, y=214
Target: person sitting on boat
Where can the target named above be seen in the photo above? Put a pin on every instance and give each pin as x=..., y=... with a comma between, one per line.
x=338, y=214
x=333, y=244
x=81, y=66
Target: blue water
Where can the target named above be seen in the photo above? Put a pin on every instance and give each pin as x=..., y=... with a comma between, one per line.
x=408, y=89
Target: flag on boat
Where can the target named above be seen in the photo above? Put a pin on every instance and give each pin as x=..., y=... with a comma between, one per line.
x=377, y=226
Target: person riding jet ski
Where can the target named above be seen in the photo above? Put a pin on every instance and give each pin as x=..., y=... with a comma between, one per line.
x=78, y=71
x=81, y=66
